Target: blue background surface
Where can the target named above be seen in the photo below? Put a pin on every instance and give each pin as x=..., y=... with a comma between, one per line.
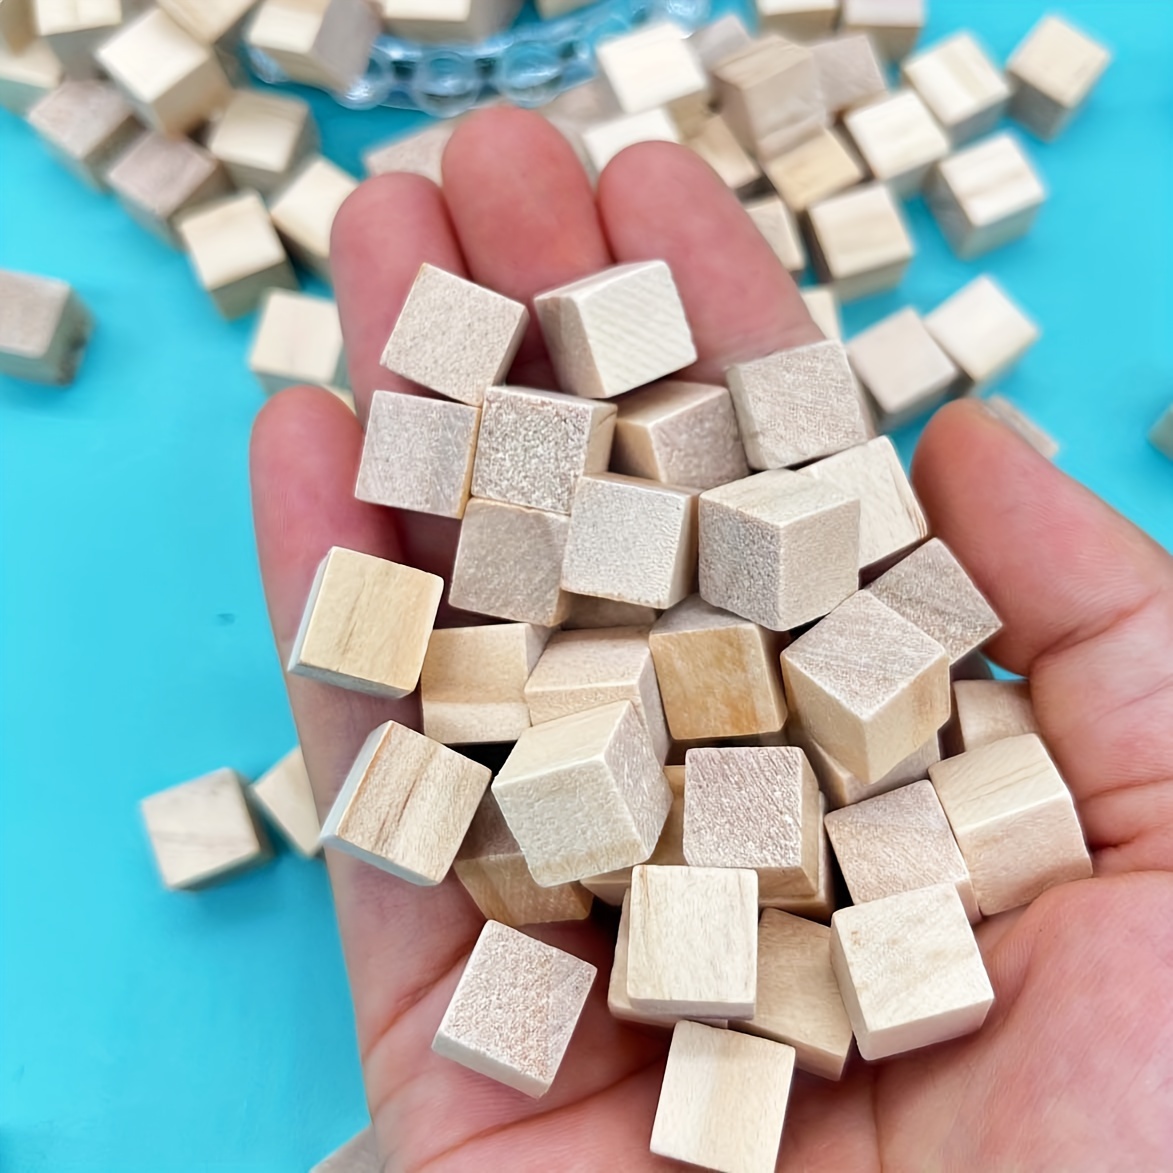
x=146, y=1031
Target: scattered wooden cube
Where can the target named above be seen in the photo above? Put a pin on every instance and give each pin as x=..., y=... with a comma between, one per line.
x=823, y=307
x=548, y=9
x=587, y=611
x=447, y=20
x=235, y=252
x=454, y=337
x=17, y=29
x=860, y=243
x=894, y=25
x=892, y=699
x=27, y=75
x=991, y=710
x=366, y=624
x=584, y=794
x=849, y=71
x=1020, y=423
x=842, y=788
x=898, y=138
x=284, y=793
x=212, y=22
x=602, y=141
x=514, y=1010
x=303, y=211
x=800, y=20
x=820, y=905
x=963, y=89
x=1014, y=820
x=1161, y=433
x=203, y=830
x=718, y=146
x=260, y=138
x=319, y=42
x=776, y=223
x=418, y=154
x=74, y=30
x=720, y=38
x=1053, y=72
x=761, y=539
x=818, y=167
x=360, y=1154
x=723, y=1101
x=298, y=339
x=509, y=563
x=85, y=124
x=44, y=328
x=909, y=970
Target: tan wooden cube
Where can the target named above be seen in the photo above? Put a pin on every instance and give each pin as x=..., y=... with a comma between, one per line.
x=860, y=242
x=817, y=168
x=17, y=28
x=760, y=540
x=842, y=788
x=868, y=685
x=447, y=20
x=959, y=83
x=718, y=146
x=360, y=1154
x=44, y=328
x=260, y=138
x=298, y=339
x=303, y=211
x=549, y=9
x=991, y=710
x=418, y=154
x=203, y=830
x=849, y=71
x=602, y=141
x=899, y=139
x=584, y=794
x=800, y=20
x=366, y=624
x=823, y=307
x=514, y=1010
x=74, y=30
x=822, y=904
x=86, y=124
x=720, y=38
x=909, y=970
x=1053, y=72
x=319, y=42
x=587, y=611
x=1014, y=819
x=1019, y=422
x=776, y=223
x=212, y=22
x=285, y=796
x=894, y=25
x=27, y=75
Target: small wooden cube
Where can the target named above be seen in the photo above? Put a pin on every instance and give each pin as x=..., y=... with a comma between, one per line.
x=1053, y=72
x=797, y=405
x=514, y=1010
x=86, y=124
x=421, y=153
x=849, y=71
x=454, y=337
x=284, y=793
x=823, y=307
x=962, y=88
x=298, y=339
x=892, y=700
x=718, y=146
x=27, y=75
x=800, y=20
x=860, y=242
x=1014, y=820
x=931, y=589
x=584, y=794
x=842, y=788
x=818, y=167
x=319, y=42
x=203, y=830
x=720, y=38
x=303, y=211
x=260, y=138
x=991, y=710
x=366, y=624
x=761, y=540
x=212, y=22
x=899, y=140
x=447, y=20
x=823, y=902
x=509, y=563
x=602, y=141
x=776, y=223
x=909, y=970
x=44, y=328
x=891, y=520
x=1022, y=425
x=588, y=612
x=549, y=9
x=894, y=25
x=360, y=1154
x=17, y=29
x=1161, y=433
x=74, y=30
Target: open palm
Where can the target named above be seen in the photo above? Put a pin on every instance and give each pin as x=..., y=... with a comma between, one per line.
x=1074, y=1068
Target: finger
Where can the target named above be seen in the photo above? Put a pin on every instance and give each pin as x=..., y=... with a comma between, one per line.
x=1087, y=600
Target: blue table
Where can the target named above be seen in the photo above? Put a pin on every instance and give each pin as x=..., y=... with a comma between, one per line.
x=146, y=1031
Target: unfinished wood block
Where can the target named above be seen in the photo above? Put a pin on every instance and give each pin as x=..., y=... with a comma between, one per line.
x=818, y=167
x=587, y=611
x=85, y=124
x=760, y=539
x=17, y=29
x=548, y=9
x=822, y=903
x=693, y=945
x=534, y=445
x=366, y=624
x=360, y=1154
x=73, y=29
x=800, y=20
x=44, y=328
x=454, y=337
x=203, y=830
x=298, y=340
x=796, y=405
x=842, y=788
x=514, y=1010
x=898, y=138
x=494, y=873
x=823, y=307
x=718, y=673
x=963, y=89
x=1020, y=423
x=860, y=243
x=931, y=589
x=891, y=520
x=849, y=71
x=1161, y=433
x=868, y=685
x=679, y=433
x=982, y=331
x=1053, y=72
x=602, y=141
x=584, y=794
x=418, y=154
x=303, y=211
x=776, y=223
x=27, y=75
x=211, y=22
x=447, y=20
x=718, y=146
x=319, y=42
x=260, y=138
x=720, y=38
x=509, y=563
x=894, y=25
x=1014, y=820
x=909, y=970
x=284, y=794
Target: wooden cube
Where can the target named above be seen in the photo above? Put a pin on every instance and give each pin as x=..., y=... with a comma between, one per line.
x=1014, y=820
x=818, y=167
x=720, y=38
x=849, y=71
x=418, y=154
x=588, y=612
x=1161, y=433
x=303, y=211
x=796, y=405
x=360, y=1154
x=17, y=29
x=1053, y=72
x=454, y=337
x=991, y=710
x=800, y=20
x=909, y=970
x=823, y=902
x=74, y=30
x=285, y=796
x=27, y=75
x=548, y=9
x=514, y=1010
x=298, y=339
x=761, y=540
x=693, y=945
x=893, y=699
x=899, y=140
x=319, y=42
x=602, y=141
x=509, y=563
x=494, y=873
x=212, y=22
x=447, y=20
x=260, y=138
x=891, y=520
x=962, y=88
x=584, y=794
x=44, y=328
x=718, y=146
x=842, y=788
x=86, y=124
x=860, y=243
x=1023, y=426
x=894, y=25
x=931, y=589
x=823, y=307
x=366, y=624
x=203, y=830
x=776, y=223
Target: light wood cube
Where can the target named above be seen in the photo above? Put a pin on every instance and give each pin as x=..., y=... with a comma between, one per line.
x=86, y=124
x=823, y=307
x=260, y=138
x=549, y=9
x=44, y=328
x=909, y=970
x=1022, y=425
x=418, y=154
x=319, y=42
x=284, y=794
x=718, y=146
x=584, y=794
x=447, y=20
x=800, y=20
x=360, y=1154
x=761, y=540
x=212, y=22
x=303, y=211
x=602, y=141
x=720, y=38
x=894, y=25
x=17, y=28
x=849, y=71
x=818, y=167
x=842, y=788
x=991, y=710
x=588, y=612
x=298, y=339
x=366, y=624
x=963, y=89
x=776, y=223
x=820, y=905
x=203, y=830
x=899, y=140
x=1161, y=433
x=27, y=75
x=1053, y=72
x=1014, y=820
x=74, y=30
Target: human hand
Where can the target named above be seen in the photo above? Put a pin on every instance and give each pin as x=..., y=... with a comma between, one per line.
x=1074, y=1066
